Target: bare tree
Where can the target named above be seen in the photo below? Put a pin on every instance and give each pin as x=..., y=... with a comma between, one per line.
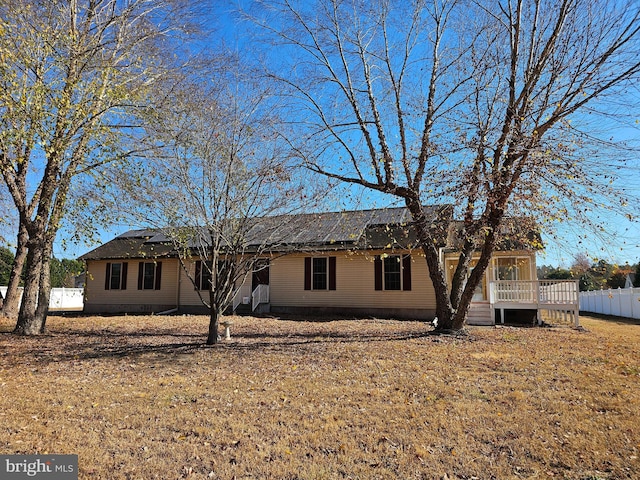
x=581, y=265
x=488, y=105
x=218, y=183
x=12, y=298
x=8, y=225
x=71, y=71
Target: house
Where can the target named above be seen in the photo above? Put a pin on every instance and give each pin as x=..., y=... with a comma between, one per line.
x=355, y=263
x=630, y=280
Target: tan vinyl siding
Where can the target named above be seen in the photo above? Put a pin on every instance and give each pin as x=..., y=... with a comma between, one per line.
x=354, y=284
x=188, y=293
x=96, y=294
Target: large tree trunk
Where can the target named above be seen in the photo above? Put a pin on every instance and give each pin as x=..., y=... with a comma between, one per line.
x=475, y=278
x=452, y=310
x=11, y=304
x=444, y=310
x=29, y=321
x=44, y=290
x=214, y=319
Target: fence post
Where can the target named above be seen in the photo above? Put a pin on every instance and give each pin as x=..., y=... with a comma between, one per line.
x=620, y=302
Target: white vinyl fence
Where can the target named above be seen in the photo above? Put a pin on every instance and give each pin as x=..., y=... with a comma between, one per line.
x=620, y=302
x=66, y=299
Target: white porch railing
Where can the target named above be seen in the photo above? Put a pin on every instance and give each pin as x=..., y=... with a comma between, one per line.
x=552, y=295
x=244, y=292
x=244, y=295
x=559, y=292
x=513, y=291
x=539, y=292
x=259, y=295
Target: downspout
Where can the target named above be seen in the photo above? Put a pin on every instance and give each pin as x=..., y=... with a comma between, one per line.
x=179, y=271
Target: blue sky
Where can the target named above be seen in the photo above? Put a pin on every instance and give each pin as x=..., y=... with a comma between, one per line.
x=619, y=241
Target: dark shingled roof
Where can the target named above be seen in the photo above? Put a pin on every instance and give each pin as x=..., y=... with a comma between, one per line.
x=517, y=233
x=332, y=228
x=132, y=244
x=379, y=228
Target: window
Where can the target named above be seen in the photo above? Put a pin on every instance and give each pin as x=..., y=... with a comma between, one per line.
x=320, y=273
x=392, y=272
x=507, y=269
x=149, y=275
x=116, y=276
x=203, y=275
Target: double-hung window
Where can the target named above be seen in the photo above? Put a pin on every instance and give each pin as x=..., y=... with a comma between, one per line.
x=149, y=275
x=203, y=275
x=116, y=276
x=392, y=272
x=392, y=269
x=320, y=273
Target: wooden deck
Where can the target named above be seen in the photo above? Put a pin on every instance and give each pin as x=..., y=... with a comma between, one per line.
x=540, y=295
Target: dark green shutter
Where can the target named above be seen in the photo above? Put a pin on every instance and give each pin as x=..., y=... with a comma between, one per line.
x=406, y=272
x=158, y=274
x=377, y=271
x=198, y=278
x=123, y=283
x=107, y=277
x=332, y=273
x=307, y=273
x=140, y=274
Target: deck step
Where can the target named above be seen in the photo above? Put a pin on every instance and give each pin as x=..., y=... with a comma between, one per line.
x=480, y=314
x=243, y=309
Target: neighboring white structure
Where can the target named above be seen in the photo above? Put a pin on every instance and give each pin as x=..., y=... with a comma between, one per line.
x=62, y=299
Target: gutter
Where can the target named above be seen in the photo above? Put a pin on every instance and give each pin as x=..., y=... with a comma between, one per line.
x=178, y=269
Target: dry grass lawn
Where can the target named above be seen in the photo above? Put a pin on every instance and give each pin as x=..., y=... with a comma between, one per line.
x=141, y=397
